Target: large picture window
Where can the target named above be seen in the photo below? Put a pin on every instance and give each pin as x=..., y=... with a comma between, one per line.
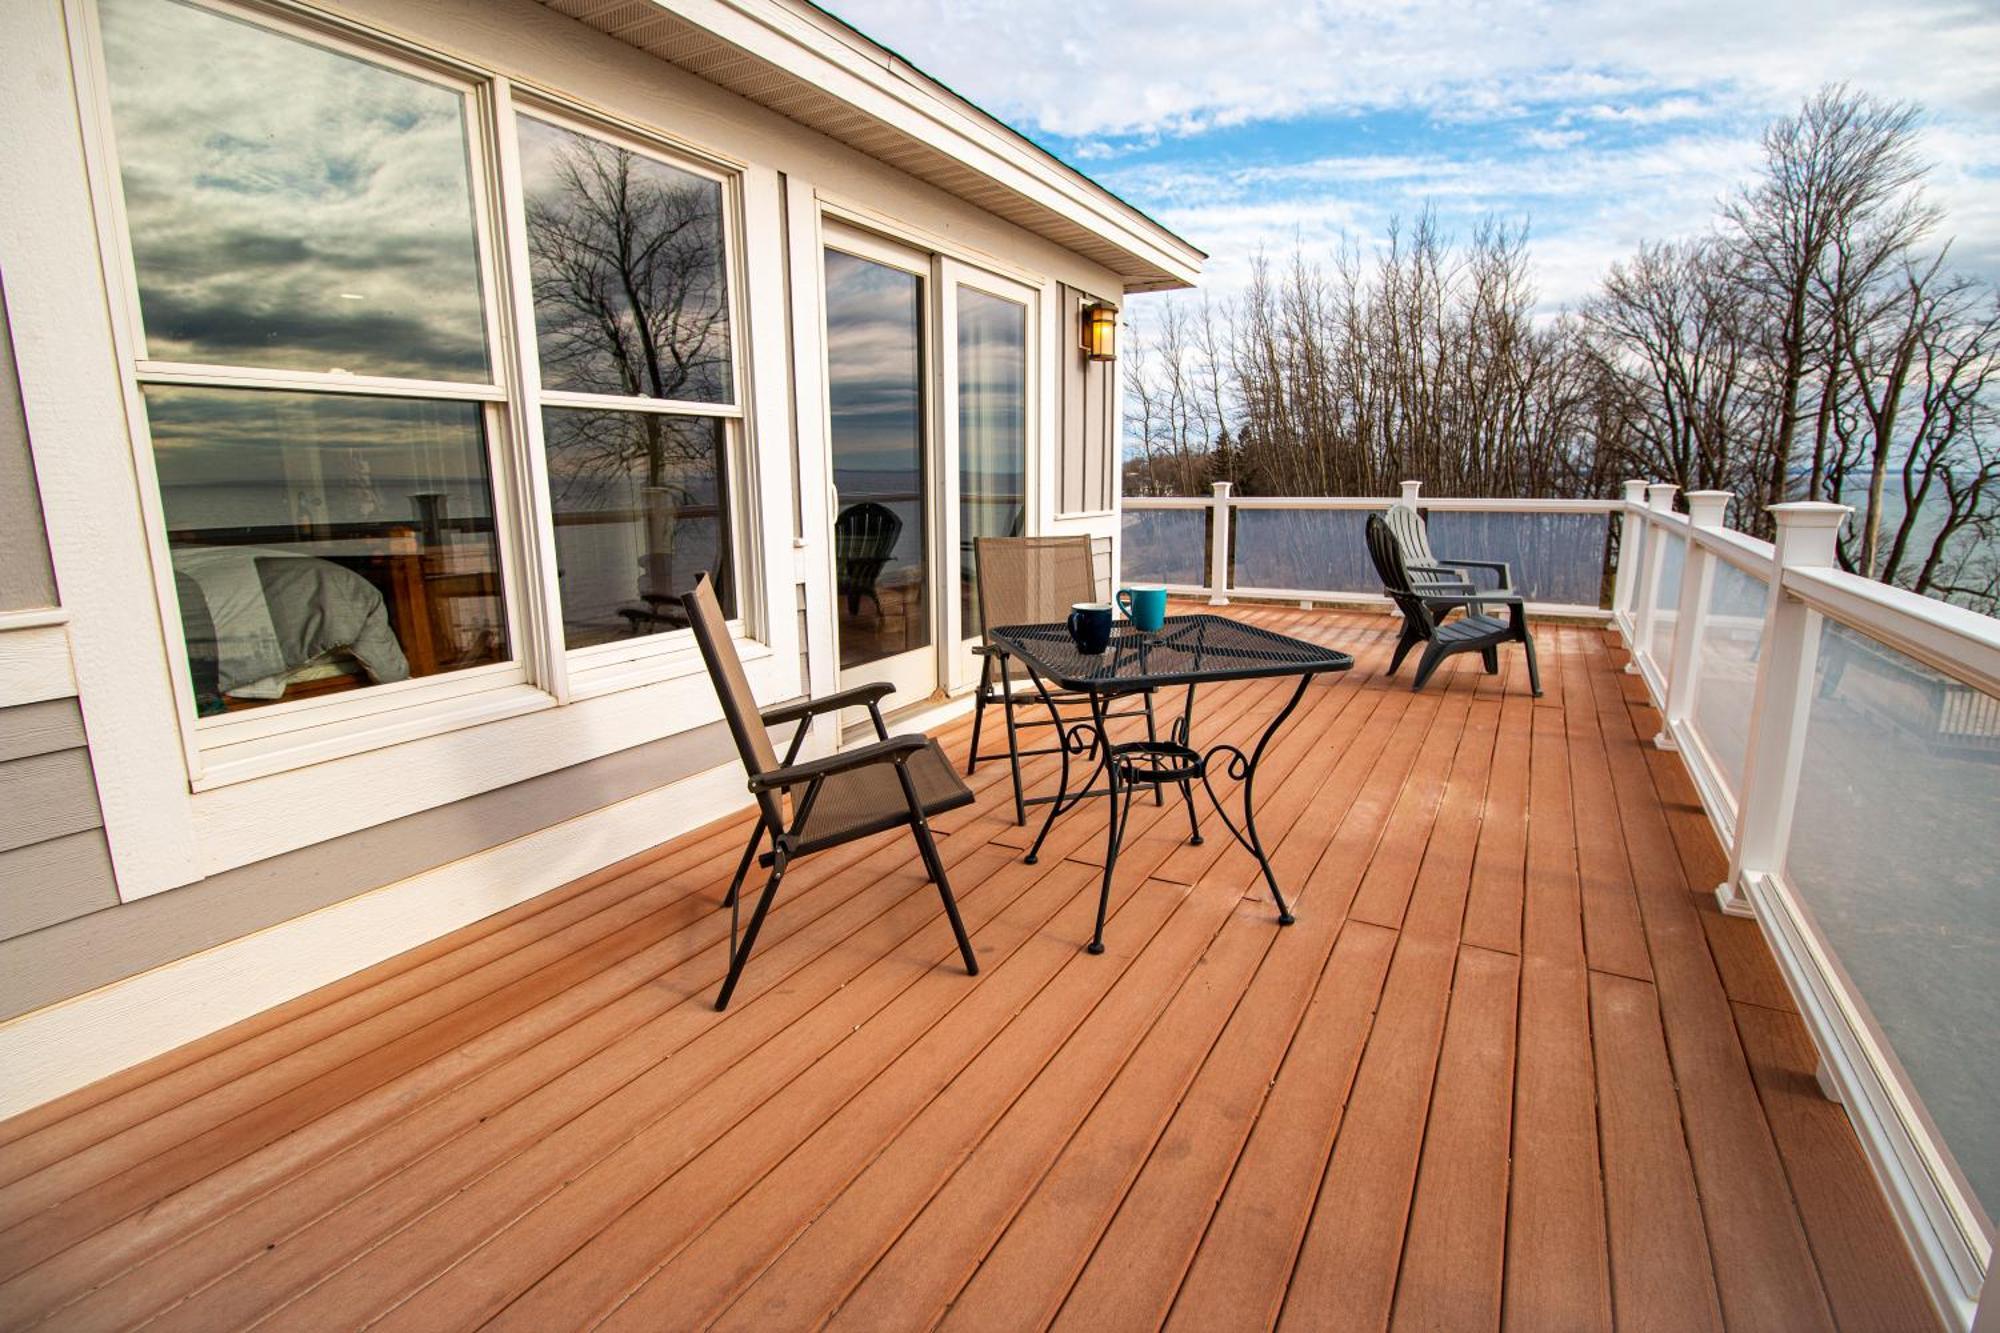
x=630, y=266
x=323, y=376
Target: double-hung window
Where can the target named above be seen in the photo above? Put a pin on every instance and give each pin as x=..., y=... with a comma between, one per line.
x=365, y=468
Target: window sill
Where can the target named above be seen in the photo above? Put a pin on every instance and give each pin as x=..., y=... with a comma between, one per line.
x=246, y=760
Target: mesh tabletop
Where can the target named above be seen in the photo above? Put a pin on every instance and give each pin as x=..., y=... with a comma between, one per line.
x=1186, y=650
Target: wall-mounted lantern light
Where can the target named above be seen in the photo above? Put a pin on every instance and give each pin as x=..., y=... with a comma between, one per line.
x=1097, y=331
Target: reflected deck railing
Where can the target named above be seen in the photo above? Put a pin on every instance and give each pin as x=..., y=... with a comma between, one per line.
x=1843, y=736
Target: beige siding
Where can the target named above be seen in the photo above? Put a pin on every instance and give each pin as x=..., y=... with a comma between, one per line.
x=53, y=861
x=1086, y=454
x=83, y=943
x=25, y=576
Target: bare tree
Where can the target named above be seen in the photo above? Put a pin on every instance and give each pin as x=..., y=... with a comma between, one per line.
x=1841, y=180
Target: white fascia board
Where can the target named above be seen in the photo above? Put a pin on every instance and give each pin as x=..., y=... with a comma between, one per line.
x=889, y=90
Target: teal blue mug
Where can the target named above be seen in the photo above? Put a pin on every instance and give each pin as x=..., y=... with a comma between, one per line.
x=1090, y=627
x=1145, y=605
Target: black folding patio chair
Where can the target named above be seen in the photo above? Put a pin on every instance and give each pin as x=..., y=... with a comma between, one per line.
x=896, y=781
x=1029, y=581
x=1423, y=618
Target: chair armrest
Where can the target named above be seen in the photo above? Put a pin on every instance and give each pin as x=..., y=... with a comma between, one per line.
x=895, y=750
x=859, y=696
x=1499, y=567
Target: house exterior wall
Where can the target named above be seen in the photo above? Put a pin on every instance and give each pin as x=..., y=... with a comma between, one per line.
x=26, y=577
x=126, y=865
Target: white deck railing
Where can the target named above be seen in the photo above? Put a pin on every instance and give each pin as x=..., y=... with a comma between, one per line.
x=1844, y=737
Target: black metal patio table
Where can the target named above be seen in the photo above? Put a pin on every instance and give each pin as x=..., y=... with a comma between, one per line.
x=1190, y=650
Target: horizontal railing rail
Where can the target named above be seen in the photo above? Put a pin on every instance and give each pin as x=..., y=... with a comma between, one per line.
x=1843, y=736
x=1225, y=552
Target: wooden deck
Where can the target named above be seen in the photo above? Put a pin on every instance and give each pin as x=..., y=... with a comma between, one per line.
x=1511, y=1068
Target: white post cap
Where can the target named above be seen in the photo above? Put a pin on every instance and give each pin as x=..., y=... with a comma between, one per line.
x=1410, y=489
x=1660, y=495
x=1707, y=508
x=1220, y=488
x=1635, y=492
x=1808, y=531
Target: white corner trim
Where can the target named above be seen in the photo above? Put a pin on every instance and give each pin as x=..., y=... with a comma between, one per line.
x=67, y=1045
x=35, y=664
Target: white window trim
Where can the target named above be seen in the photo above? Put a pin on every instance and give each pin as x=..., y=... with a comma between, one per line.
x=79, y=390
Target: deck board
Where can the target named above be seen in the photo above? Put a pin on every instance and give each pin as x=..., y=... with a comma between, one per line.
x=1510, y=1068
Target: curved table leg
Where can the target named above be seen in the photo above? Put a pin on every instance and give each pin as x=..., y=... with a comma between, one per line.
x=1244, y=768
x=1070, y=740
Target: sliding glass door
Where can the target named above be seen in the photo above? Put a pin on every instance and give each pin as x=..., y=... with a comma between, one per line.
x=929, y=393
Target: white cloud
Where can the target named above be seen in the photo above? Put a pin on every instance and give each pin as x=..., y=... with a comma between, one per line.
x=1177, y=66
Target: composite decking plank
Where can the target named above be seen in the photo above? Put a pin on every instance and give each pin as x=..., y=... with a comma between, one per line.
x=200, y=1089
x=935, y=1255
x=717, y=1194
x=77, y=1119
x=1660, y=1273
x=1558, y=1273
x=1138, y=1265
x=1613, y=938
x=588, y=1109
x=1083, y=827
x=814, y=1267
x=81, y=1195
x=1288, y=751
x=1454, y=1251
x=1347, y=1264
x=1493, y=904
x=1871, y=1280
x=587, y=1247
x=1764, y=1270
x=608, y=1144
x=1031, y=1262
x=1240, y=1271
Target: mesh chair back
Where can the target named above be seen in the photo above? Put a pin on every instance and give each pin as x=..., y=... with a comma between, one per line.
x=1031, y=580
x=732, y=687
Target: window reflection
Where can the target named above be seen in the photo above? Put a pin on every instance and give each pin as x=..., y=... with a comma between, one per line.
x=874, y=355
x=627, y=256
x=992, y=431
x=291, y=207
x=641, y=508
x=323, y=542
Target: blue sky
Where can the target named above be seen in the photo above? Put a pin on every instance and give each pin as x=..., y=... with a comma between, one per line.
x=1597, y=126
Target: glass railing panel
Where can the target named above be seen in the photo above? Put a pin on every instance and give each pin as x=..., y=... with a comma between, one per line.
x=1316, y=550
x=1555, y=557
x=1731, y=643
x=1892, y=854
x=1164, y=546
x=1667, y=602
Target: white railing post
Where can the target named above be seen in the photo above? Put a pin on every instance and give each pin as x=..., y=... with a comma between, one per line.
x=1218, y=550
x=1775, y=751
x=1410, y=489
x=1705, y=510
x=1659, y=500
x=1631, y=532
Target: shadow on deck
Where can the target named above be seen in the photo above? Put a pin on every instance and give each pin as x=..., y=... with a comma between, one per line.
x=1511, y=1067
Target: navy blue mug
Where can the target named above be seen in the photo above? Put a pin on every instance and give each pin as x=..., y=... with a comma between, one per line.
x=1090, y=627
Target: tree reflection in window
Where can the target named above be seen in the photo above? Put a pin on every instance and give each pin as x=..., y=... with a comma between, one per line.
x=629, y=280
x=631, y=301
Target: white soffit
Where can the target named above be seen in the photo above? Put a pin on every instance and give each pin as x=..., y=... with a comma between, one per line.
x=808, y=66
